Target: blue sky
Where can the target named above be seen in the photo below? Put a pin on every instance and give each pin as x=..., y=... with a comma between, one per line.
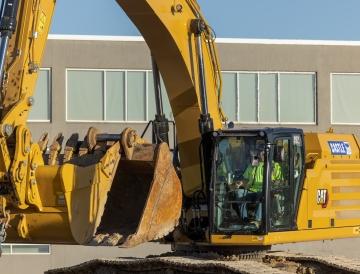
x=278, y=19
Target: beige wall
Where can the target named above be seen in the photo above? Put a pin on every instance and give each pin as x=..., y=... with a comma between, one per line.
x=322, y=59
x=86, y=54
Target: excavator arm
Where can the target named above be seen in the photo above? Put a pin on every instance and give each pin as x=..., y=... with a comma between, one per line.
x=109, y=189
x=182, y=44
x=23, y=54
x=24, y=29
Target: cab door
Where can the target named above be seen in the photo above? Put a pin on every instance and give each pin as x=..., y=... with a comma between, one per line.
x=286, y=160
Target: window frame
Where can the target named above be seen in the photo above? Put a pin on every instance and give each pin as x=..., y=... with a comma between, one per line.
x=103, y=71
x=278, y=83
x=331, y=99
x=291, y=225
x=49, y=70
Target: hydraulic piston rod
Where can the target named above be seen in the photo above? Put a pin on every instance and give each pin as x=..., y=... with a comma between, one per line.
x=7, y=28
x=160, y=124
x=205, y=122
x=157, y=87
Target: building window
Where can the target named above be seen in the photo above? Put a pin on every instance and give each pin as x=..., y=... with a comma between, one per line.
x=115, y=95
x=270, y=97
x=229, y=94
x=25, y=249
x=85, y=100
x=40, y=111
x=112, y=96
x=297, y=98
x=344, y=98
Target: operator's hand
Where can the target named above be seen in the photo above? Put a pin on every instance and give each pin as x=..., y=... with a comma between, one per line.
x=238, y=184
x=241, y=184
x=234, y=186
x=296, y=173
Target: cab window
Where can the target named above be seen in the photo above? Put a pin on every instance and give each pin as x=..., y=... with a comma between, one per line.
x=238, y=184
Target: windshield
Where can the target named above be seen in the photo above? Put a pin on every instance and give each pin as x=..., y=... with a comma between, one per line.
x=238, y=184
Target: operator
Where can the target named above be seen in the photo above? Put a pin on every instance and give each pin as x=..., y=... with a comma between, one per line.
x=253, y=175
x=252, y=182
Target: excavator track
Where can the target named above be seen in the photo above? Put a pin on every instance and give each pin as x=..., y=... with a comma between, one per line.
x=272, y=262
x=338, y=264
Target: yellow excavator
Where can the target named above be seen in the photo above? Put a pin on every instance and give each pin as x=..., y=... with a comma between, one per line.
x=230, y=189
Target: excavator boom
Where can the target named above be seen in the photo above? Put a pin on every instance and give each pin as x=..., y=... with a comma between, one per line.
x=109, y=189
x=179, y=49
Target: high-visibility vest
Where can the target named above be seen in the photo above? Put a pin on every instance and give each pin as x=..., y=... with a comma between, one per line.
x=277, y=174
x=255, y=175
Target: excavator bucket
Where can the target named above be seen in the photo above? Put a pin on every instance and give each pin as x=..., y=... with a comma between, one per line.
x=118, y=201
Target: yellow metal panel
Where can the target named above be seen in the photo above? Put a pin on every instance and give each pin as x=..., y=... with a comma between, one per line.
x=339, y=176
x=26, y=48
x=348, y=214
x=50, y=228
x=288, y=236
x=302, y=217
x=346, y=203
x=86, y=190
x=50, y=186
x=312, y=235
x=239, y=240
x=318, y=143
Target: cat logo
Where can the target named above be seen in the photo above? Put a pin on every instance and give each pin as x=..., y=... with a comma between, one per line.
x=322, y=197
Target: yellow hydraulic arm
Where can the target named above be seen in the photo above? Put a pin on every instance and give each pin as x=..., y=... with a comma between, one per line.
x=111, y=188
x=178, y=37
x=24, y=26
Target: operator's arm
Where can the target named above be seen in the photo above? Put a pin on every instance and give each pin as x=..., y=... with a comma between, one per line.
x=247, y=173
x=244, y=183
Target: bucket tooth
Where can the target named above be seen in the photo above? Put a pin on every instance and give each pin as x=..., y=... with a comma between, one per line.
x=55, y=149
x=89, y=142
x=113, y=239
x=98, y=239
x=71, y=147
x=43, y=142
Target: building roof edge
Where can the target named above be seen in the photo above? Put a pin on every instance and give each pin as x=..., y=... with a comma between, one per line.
x=95, y=38
x=218, y=40
x=286, y=42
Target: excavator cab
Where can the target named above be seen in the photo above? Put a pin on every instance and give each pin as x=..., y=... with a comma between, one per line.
x=256, y=180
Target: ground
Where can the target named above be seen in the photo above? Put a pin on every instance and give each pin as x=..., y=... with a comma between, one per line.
x=62, y=256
